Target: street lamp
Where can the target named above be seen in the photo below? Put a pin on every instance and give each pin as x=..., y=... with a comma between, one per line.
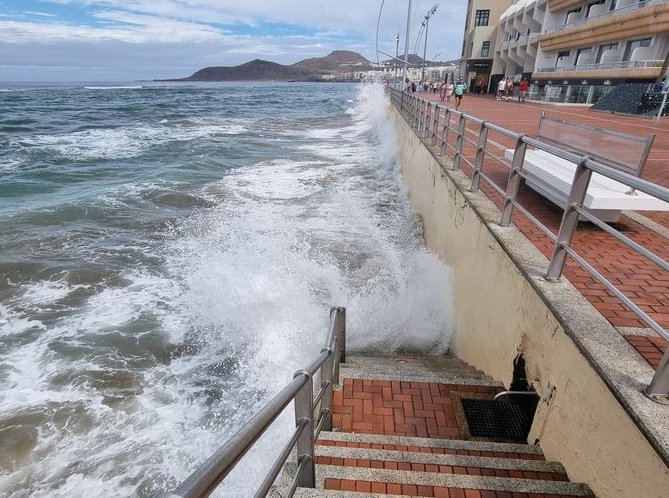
x=427, y=25
x=397, y=54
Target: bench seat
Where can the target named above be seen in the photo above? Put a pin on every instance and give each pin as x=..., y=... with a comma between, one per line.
x=552, y=177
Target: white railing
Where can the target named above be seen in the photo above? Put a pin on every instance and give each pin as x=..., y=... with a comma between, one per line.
x=603, y=65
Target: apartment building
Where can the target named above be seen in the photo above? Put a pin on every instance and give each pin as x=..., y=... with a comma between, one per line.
x=577, y=50
x=478, y=46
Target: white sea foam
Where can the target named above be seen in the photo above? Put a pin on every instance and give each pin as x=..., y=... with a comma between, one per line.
x=125, y=143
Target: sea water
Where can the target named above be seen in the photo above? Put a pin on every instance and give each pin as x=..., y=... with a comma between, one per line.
x=168, y=256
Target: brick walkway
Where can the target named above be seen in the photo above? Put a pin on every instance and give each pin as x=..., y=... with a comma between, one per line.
x=428, y=410
x=644, y=283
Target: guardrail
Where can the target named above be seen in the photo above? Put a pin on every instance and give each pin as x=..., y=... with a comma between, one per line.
x=441, y=124
x=206, y=478
x=603, y=65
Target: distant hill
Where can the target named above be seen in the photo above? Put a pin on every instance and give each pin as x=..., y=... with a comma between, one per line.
x=338, y=62
x=255, y=70
x=335, y=61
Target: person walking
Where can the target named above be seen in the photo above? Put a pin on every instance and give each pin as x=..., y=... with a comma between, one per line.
x=522, y=90
x=501, y=88
x=459, y=92
x=442, y=91
x=449, y=91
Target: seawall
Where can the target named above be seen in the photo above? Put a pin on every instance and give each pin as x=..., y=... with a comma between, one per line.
x=505, y=307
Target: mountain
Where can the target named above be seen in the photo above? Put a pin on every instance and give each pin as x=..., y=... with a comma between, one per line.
x=255, y=70
x=339, y=60
x=342, y=63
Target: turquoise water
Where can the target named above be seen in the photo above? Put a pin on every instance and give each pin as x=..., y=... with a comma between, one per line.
x=168, y=255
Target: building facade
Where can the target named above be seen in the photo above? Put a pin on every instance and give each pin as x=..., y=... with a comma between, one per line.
x=480, y=37
x=577, y=50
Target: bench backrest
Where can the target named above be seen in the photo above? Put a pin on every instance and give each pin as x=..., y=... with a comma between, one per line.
x=613, y=148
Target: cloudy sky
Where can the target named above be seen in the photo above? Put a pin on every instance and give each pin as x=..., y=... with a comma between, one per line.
x=124, y=40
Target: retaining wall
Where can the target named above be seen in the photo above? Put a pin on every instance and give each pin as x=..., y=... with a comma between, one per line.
x=504, y=307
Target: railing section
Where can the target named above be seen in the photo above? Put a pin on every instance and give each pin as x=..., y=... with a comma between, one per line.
x=471, y=133
x=313, y=414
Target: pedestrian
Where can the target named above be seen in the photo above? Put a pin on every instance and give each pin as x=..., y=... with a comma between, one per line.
x=459, y=92
x=522, y=90
x=501, y=88
x=449, y=91
x=509, y=88
x=442, y=91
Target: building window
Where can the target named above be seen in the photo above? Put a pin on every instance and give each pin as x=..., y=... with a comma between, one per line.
x=633, y=44
x=482, y=18
x=603, y=48
x=485, y=49
x=580, y=51
x=562, y=54
x=592, y=4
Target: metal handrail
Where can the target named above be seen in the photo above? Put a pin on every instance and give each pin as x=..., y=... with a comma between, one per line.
x=462, y=123
x=208, y=476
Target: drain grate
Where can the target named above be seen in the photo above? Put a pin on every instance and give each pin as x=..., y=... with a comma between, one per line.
x=495, y=419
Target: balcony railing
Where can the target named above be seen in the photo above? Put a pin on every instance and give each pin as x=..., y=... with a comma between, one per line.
x=603, y=65
x=603, y=15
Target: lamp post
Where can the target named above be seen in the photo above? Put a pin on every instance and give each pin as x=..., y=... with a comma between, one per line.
x=427, y=26
x=406, y=45
x=397, y=54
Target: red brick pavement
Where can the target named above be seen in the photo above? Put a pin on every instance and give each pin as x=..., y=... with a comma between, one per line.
x=643, y=282
x=400, y=408
x=414, y=409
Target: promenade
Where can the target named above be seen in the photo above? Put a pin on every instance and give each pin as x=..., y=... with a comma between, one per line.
x=643, y=282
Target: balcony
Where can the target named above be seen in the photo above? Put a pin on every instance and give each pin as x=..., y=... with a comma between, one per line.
x=604, y=15
x=603, y=66
x=642, y=19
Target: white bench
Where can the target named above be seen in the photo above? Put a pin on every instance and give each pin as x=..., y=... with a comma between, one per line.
x=552, y=176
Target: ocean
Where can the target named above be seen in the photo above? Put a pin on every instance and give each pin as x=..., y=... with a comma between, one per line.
x=168, y=257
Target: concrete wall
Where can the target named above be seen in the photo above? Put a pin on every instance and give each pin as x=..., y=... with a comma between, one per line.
x=504, y=306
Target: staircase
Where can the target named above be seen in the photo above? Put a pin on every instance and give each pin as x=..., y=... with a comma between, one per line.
x=400, y=429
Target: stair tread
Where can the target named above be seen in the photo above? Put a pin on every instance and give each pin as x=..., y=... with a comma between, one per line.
x=430, y=442
x=328, y=474
x=445, y=369
x=330, y=452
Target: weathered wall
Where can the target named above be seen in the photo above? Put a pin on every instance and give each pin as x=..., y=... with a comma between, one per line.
x=501, y=310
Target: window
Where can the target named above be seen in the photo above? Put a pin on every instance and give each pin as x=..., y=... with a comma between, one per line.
x=580, y=51
x=592, y=4
x=560, y=55
x=633, y=44
x=485, y=49
x=482, y=18
x=603, y=48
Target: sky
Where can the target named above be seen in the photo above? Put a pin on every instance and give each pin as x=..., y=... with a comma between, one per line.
x=129, y=40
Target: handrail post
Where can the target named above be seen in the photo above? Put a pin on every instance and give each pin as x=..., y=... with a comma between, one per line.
x=428, y=117
x=480, y=156
x=444, y=132
x=658, y=389
x=513, y=183
x=327, y=371
x=459, y=142
x=435, y=124
x=342, y=338
x=579, y=188
x=304, y=411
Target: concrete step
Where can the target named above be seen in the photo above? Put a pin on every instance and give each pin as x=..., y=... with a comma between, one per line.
x=431, y=462
x=431, y=445
x=444, y=369
x=429, y=483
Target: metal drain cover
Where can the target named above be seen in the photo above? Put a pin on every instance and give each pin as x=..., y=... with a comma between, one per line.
x=495, y=419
